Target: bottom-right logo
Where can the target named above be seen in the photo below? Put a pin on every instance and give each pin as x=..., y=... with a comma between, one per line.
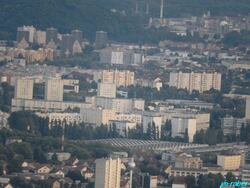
x=233, y=184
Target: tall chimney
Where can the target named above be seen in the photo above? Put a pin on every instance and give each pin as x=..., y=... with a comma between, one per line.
x=161, y=11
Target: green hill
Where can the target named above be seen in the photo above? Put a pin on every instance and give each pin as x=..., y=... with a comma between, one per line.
x=92, y=15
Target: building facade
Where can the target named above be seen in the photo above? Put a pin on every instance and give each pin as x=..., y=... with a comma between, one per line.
x=117, y=77
x=232, y=126
x=97, y=116
x=24, y=89
x=106, y=90
x=182, y=126
x=107, y=173
x=196, y=81
x=247, y=115
x=229, y=162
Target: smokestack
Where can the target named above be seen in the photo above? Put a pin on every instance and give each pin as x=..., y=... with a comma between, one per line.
x=161, y=11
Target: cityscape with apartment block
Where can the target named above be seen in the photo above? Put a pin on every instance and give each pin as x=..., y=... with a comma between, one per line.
x=124, y=94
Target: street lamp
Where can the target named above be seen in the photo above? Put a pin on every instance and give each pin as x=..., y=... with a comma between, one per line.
x=131, y=165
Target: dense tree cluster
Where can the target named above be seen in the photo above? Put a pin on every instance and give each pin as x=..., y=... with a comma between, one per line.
x=116, y=17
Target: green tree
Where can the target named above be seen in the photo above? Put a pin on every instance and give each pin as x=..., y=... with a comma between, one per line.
x=186, y=137
x=39, y=155
x=75, y=175
x=15, y=165
x=190, y=181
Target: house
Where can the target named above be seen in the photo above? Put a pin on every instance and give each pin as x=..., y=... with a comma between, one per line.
x=73, y=161
x=167, y=169
x=88, y=173
x=7, y=186
x=5, y=182
x=54, y=183
x=42, y=169
x=60, y=171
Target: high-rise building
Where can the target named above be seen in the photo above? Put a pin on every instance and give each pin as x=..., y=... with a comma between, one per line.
x=22, y=31
x=196, y=81
x=54, y=90
x=51, y=35
x=106, y=90
x=107, y=173
x=77, y=35
x=22, y=35
x=40, y=37
x=76, y=49
x=24, y=89
x=247, y=115
x=67, y=44
x=101, y=39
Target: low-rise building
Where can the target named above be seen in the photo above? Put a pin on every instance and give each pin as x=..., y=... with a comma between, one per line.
x=188, y=161
x=229, y=161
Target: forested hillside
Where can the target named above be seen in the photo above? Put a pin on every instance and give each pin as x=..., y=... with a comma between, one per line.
x=115, y=16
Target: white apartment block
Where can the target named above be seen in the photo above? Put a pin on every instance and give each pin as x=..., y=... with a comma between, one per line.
x=181, y=124
x=24, y=89
x=150, y=119
x=54, y=90
x=31, y=30
x=196, y=81
x=231, y=125
x=120, y=105
x=97, y=116
x=133, y=118
x=107, y=173
x=106, y=90
x=45, y=106
x=40, y=37
x=122, y=127
x=118, y=77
